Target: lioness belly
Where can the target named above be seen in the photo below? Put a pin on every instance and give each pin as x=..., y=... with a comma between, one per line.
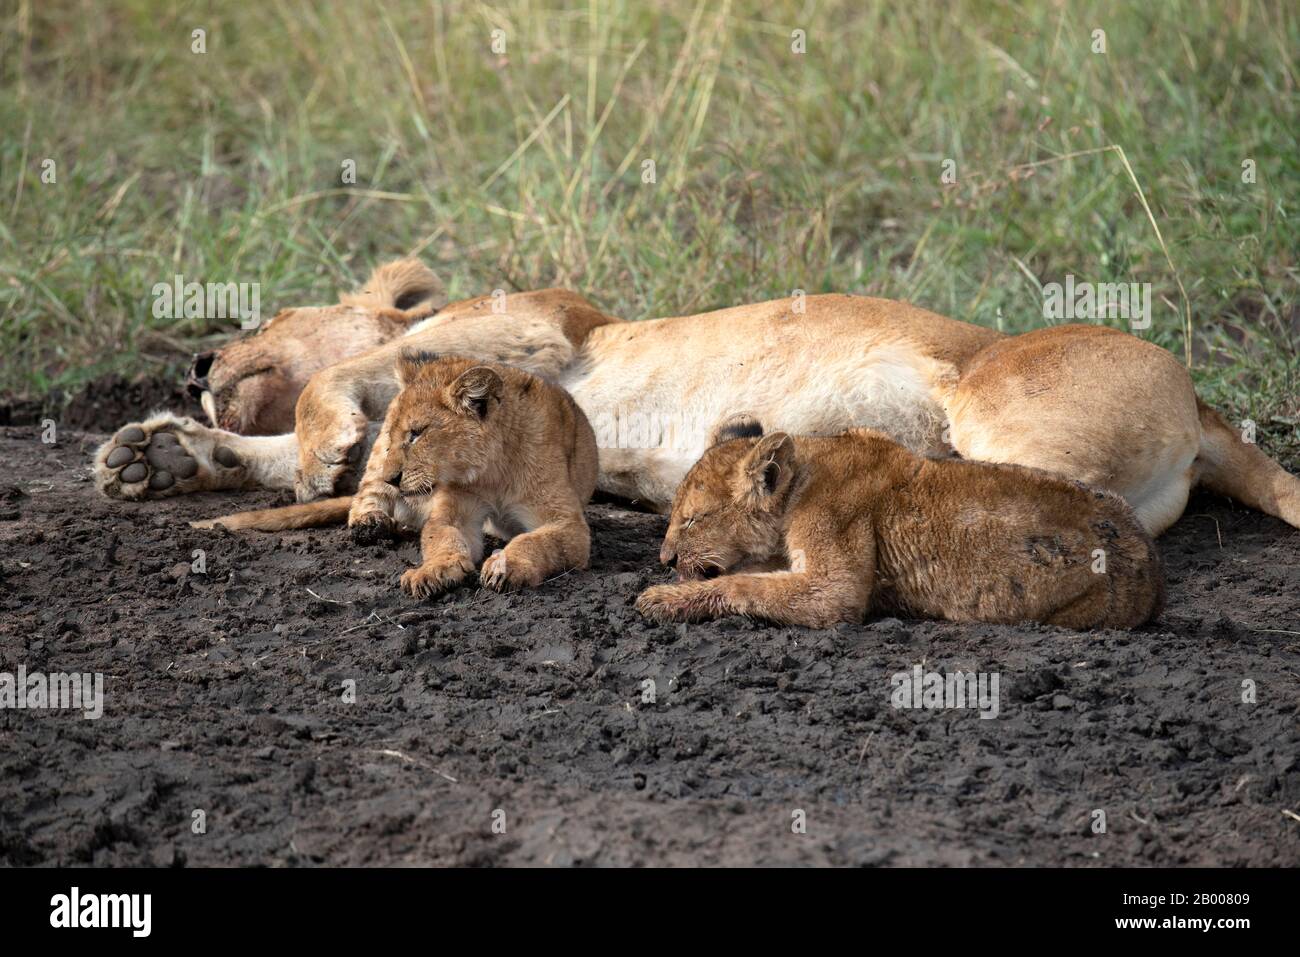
x=654, y=390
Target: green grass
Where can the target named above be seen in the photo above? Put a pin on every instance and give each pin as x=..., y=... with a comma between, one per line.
x=775, y=170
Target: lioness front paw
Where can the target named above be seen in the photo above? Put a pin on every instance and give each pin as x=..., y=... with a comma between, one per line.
x=503, y=573
x=332, y=466
x=431, y=579
x=687, y=602
x=165, y=455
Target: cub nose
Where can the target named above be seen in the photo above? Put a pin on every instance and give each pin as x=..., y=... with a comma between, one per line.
x=196, y=382
x=395, y=480
x=668, y=556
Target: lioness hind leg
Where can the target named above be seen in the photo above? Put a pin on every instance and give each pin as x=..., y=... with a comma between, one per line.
x=1089, y=403
x=172, y=455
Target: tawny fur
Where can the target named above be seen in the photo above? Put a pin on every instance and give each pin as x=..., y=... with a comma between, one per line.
x=326, y=511
x=1086, y=402
x=255, y=381
x=406, y=286
x=469, y=447
x=860, y=523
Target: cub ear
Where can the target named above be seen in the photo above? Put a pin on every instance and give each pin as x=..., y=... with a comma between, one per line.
x=409, y=364
x=767, y=470
x=742, y=425
x=474, y=390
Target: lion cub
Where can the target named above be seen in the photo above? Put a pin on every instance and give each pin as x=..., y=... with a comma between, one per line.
x=858, y=522
x=470, y=447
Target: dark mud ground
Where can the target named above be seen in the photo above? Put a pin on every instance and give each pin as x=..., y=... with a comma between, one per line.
x=224, y=693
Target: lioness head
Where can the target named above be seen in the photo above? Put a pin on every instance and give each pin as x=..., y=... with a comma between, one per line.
x=728, y=511
x=252, y=384
x=442, y=427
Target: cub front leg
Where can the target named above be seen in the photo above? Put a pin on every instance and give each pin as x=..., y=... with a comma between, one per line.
x=372, y=517
x=451, y=544
x=560, y=543
x=827, y=584
x=786, y=598
x=687, y=601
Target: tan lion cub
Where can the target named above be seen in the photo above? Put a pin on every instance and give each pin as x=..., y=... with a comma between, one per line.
x=857, y=522
x=471, y=447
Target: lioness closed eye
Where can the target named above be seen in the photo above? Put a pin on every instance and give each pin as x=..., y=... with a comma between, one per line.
x=857, y=522
x=473, y=447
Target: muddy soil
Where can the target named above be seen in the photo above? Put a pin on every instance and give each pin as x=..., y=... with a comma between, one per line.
x=102, y=404
x=227, y=710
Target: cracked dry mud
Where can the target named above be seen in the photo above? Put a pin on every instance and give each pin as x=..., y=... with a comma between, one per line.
x=224, y=693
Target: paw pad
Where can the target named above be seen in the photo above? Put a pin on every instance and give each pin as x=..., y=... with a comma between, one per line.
x=140, y=461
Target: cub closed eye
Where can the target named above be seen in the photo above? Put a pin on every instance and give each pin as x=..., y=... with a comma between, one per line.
x=413, y=435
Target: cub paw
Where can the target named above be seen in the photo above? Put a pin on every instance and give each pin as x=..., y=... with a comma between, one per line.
x=503, y=573
x=676, y=603
x=432, y=578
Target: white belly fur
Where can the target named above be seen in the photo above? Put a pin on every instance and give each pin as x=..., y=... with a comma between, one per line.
x=653, y=416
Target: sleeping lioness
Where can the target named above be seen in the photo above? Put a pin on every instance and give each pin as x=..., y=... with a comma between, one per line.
x=1087, y=402
x=857, y=522
x=468, y=447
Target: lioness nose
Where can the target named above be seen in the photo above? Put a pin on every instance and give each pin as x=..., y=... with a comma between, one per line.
x=668, y=556
x=196, y=383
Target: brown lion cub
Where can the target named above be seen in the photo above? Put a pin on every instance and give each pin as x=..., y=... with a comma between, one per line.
x=471, y=447
x=858, y=522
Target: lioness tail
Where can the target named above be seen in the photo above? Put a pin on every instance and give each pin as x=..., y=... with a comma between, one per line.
x=1233, y=465
x=329, y=511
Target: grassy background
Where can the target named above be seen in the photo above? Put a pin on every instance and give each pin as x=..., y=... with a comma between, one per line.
x=775, y=170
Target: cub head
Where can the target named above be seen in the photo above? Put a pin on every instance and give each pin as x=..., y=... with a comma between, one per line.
x=729, y=510
x=442, y=428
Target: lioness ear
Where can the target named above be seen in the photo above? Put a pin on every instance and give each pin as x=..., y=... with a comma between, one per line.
x=474, y=390
x=766, y=471
x=406, y=285
x=410, y=363
x=742, y=425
